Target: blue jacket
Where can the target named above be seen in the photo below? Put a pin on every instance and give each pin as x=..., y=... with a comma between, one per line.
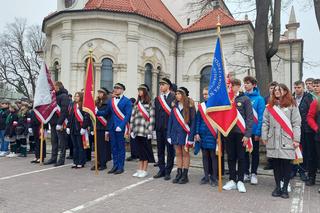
x=175, y=130
x=258, y=103
x=125, y=107
x=207, y=140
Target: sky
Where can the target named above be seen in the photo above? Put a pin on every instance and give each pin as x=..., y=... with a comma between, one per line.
x=35, y=10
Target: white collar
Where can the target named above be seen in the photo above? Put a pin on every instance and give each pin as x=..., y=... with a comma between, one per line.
x=166, y=94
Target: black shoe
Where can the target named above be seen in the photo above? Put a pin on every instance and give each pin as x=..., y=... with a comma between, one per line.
x=79, y=166
x=130, y=158
x=204, y=180
x=22, y=155
x=184, y=179
x=73, y=166
x=213, y=182
x=69, y=157
x=303, y=176
x=285, y=194
x=156, y=164
x=34, y=161
x=113, y=170
x=178, y=176
x=268, y=167
x=59, y=164
x=101, y=168
x=120, y=171
x=51, y=161
x=159, y=175
x=311, y=181
x=276, y=192
x=167, y=177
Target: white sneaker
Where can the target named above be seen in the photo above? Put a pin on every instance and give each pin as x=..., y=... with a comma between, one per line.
x=230, y=185
x=246, y=178
x=142, y=174
x=289, y=186
x=137, y=173
x=241, y=187
x=11, y=155
x=3, y=154
x=254, y=179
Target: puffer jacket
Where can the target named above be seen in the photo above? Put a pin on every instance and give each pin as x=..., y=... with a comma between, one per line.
x=279, y=143
x=258, y=103
x=63, y=102
x=207, y=140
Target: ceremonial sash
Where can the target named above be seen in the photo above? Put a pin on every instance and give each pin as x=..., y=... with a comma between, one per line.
x=164, y=104
x=120, y=115
x=181, y=121
x=282, y=119
x=242, y=126
x=143, y=111
x=255, y=116
x=59, y=113
x=285, y=124
x=79, y=117
x=202, y=109
x=102, y=120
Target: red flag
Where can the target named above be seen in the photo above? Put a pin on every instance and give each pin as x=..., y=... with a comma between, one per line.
x=88, y=99
x=45, y=103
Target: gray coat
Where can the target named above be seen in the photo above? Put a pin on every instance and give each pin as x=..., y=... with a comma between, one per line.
x=279, y=143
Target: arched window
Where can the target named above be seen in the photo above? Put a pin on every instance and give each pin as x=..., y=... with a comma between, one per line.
x=205, y=79
x=56, y=71
x=106, y=79
x=148, y=76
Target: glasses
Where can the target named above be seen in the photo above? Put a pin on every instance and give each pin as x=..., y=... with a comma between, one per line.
x=117, y=88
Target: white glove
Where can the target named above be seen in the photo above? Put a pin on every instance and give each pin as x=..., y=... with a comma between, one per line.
x=30, y=130
x=68, y=131
x=58, y=127
x=133, y=135
x=190, y=143
x=92, y=133
x=149, y=137
x=96, y=110
x=82, y=131
x=154, y=135
x=169, y=141
x=118, y=129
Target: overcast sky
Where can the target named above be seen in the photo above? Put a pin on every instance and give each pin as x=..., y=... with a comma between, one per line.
x=35, y=10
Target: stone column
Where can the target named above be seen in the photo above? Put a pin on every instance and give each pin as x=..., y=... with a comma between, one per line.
x=97, y=76
x=195, y=88
x=155, y=73
x=132, y=58
x=180, y=57
x=66, y=53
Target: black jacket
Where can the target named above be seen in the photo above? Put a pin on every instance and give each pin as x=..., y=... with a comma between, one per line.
x=100, y=127
x=304, y=109
x=244, y=106
x=3, y=115
x=161, y=117
x=22, y=126
x=63, y=102
x=74, y=125
x=10, y=128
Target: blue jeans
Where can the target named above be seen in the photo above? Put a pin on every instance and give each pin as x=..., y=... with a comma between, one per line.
x=4, y=145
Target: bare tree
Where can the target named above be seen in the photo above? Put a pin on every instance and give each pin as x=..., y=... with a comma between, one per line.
x=317, y=11
x=19, y=61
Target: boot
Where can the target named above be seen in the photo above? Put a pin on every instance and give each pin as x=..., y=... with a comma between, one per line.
x=311, y=181
x=178, y=176
x=284, y=194
x=184, y=179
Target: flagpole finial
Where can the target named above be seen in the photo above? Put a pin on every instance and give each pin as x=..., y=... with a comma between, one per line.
x=218, y=24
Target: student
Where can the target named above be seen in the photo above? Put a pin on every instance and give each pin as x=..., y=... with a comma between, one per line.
x=4, y=111
x=141, y=125
x=78, y=123
x=206, y=135
x=181, y=132
x=313, y=119
x=281, y=134
x=21, y=130
x=238, y=139
x=10, y=134
x=258, y=106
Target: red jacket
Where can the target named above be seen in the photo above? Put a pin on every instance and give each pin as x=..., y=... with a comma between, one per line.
x=312, y=116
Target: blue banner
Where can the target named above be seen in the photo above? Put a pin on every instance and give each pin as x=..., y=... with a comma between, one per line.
x=218, y=91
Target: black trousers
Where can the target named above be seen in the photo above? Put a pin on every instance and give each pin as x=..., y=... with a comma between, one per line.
x=58, y=140
x=281, y=170
x=236, y=153
x=38, y=147
x=32, y=143
x=255, y=157
x=314, y=155
x=79, y=155
x=103, y=149
x=22, y=146
x=70, y=145
x=210, y=165
x=133, y=148
x=161, y=146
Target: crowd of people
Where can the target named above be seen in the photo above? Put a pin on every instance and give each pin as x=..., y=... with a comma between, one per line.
x=282, y=121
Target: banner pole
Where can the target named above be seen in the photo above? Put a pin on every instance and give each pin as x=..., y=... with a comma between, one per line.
x=41, y=143
x=219, y=162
